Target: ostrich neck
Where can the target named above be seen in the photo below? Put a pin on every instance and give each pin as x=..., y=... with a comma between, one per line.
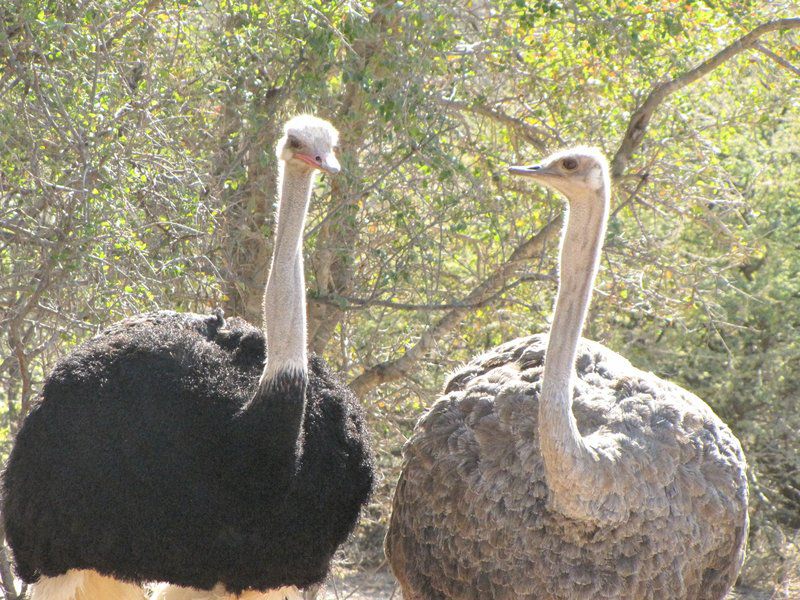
x=285, y=295
x=267, y=433
x=570, y=464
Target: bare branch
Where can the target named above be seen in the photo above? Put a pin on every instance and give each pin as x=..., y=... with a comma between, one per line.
x=24, y=373
x=394, y=369
x=6, y=576
x=533, y=134
x=778, y=59
x=350, y=304
x=641, y=117
x=332, y=261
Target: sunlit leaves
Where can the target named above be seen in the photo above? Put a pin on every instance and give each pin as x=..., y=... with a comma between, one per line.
x=137, y=171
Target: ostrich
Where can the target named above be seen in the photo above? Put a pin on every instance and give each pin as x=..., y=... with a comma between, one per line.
x=194, y=449
x=552, y=468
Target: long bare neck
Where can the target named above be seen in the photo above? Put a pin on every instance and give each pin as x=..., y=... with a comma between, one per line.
x=285, y=294
x=268, y=430
x=568, y=460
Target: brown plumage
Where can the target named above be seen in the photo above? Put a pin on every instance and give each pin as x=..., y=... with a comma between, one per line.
x=587, y=478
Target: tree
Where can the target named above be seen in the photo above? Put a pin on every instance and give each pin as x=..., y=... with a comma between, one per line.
x=137, y=172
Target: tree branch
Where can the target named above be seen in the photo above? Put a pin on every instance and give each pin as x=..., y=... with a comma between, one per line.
x=394, y=369
x=333, y=260
x=778, y=59
x=533, y=134
x=6, y=576
x=350, y=303
x=641, y=117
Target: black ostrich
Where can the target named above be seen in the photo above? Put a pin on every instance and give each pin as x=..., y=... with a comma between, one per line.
x=175, y=447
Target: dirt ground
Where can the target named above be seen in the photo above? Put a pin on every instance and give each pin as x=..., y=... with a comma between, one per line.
x=380, y=585
x=373, y=585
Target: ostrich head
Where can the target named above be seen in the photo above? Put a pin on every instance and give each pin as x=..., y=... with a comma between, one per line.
x=308, y=143
x=579, y=172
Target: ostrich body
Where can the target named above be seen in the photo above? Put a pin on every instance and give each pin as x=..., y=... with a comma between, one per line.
x=195, y=449
x=551, y=468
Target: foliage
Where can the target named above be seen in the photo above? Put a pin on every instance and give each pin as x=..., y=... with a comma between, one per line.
x=137, y=172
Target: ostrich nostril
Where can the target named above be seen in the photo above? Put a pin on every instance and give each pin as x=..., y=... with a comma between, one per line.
x=318, y=158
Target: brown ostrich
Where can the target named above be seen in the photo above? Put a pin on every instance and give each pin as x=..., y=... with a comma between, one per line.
x=551, y=468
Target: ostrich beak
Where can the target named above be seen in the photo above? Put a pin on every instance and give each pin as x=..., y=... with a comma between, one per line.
x=530, y=171
x=327, y=163
x=330, y=164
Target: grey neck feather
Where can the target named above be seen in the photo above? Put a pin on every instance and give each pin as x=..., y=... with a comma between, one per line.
x=571, y=465
x=285, y=293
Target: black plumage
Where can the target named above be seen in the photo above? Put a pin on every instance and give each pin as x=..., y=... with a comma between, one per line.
x=139, y=462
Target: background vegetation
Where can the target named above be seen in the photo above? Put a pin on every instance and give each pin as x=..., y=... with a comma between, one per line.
x=137, y=172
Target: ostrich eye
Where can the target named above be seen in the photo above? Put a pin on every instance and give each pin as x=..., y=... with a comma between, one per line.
x=294, y=143
x=570, y=164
